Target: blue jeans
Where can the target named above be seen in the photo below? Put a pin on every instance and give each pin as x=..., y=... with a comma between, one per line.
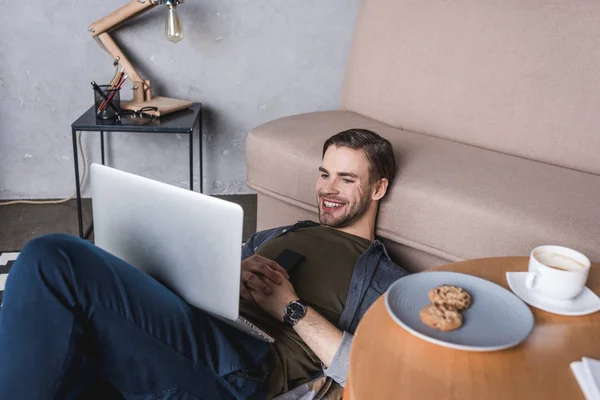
x=77, y=320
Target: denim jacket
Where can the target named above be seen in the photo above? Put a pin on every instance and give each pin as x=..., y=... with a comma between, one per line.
x=373, y=273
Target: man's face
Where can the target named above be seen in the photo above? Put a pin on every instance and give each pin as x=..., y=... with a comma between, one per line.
x=343, y=188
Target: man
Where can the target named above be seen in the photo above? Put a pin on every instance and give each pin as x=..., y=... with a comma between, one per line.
x=75, y=317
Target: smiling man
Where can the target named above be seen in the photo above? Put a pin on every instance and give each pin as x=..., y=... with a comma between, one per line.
x=344, y=271
x=357, y=178
x=78, y=322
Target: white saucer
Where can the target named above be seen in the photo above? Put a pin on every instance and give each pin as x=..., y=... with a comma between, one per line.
x=585, y=303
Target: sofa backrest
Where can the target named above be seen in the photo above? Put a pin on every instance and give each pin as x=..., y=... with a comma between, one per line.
x=516, y=76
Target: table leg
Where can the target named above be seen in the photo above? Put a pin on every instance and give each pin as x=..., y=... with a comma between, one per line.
x=191, y=135
x=89, y=230
x=102, y=146
x=200, y=150
x=78, y=188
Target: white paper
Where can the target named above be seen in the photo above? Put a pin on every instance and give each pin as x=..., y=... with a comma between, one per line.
x=586, y=385
x=592, y=373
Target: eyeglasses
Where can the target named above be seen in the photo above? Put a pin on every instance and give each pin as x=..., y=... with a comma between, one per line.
x=142, y=115
x=142, y=112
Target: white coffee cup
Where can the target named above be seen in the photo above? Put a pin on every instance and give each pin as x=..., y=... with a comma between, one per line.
x=557, y=272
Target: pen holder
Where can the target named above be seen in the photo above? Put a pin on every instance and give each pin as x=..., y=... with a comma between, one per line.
x=107, y=103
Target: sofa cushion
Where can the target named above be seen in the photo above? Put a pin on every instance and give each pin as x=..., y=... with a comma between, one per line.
x=516, y=76
x=452, y=200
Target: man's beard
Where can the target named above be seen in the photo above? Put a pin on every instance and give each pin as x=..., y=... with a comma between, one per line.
x=353, y=212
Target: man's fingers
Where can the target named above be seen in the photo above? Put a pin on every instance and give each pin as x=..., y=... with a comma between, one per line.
x=273, y=265
x=246, y=294
x=248, y=284
x=256, y=296
x=254, y=282
x=255, y=273
x=251, y=274
x=268, y=272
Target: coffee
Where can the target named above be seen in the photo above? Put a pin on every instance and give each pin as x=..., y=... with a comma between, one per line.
x=557, y=272
x=559, y=261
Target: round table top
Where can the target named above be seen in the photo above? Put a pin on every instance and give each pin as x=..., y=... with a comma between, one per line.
x=387, y=362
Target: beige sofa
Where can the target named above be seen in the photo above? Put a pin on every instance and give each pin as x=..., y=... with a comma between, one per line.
x=493, y=108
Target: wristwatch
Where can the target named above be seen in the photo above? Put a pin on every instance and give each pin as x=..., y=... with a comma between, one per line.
x=294, y=312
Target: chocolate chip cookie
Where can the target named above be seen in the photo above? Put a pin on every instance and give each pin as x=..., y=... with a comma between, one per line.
x=441, y=317
x=453, y=296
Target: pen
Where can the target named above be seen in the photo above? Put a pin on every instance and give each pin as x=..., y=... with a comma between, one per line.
x=117, y=87
x=101, y=93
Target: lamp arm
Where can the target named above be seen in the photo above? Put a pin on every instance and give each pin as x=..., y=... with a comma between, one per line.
x=141, y=89
x=128, y=11
x=114, y=50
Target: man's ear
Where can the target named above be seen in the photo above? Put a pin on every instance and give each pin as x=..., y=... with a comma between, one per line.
x=380, y=189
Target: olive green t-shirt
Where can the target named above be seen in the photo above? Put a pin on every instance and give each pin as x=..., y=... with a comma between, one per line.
x=322, y=280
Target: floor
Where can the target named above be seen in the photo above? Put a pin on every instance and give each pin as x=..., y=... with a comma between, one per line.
x=22, y=222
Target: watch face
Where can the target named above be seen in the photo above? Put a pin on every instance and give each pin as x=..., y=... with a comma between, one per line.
x=293, y=313
x=296, y=310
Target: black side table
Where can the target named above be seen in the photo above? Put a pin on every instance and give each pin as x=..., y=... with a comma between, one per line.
x=182, y=121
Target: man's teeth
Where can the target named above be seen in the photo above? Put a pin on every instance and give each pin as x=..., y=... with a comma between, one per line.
x=332, y=205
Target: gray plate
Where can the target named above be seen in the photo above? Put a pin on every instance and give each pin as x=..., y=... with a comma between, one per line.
x=496, y=320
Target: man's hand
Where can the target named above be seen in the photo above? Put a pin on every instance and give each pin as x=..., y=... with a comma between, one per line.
x=261, y=275
x=274, y=303
x=318, y=333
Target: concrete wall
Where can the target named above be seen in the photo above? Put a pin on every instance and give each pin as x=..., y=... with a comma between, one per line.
x=248, y=61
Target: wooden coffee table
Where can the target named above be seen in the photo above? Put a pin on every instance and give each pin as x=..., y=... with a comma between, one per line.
x=387, y=362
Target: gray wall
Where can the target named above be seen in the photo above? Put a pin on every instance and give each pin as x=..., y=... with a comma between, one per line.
x=248, y=61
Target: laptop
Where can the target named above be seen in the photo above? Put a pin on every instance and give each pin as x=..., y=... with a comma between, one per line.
x=188, y=241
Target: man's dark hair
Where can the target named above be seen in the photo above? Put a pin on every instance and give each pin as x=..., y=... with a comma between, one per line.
x=378, y=151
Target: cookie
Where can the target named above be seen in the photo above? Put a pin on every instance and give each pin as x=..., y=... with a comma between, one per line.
x=441, y=317
x=454, y=296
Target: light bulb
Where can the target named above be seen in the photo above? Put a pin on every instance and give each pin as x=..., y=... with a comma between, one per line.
x=173, y=28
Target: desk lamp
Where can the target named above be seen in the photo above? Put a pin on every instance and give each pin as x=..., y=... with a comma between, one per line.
x=142, y=89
